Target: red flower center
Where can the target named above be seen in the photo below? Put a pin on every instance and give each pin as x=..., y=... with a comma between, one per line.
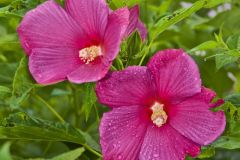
x=89, y=54
x=159, y=116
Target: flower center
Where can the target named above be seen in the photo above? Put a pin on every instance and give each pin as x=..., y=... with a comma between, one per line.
x=88, y=54
x=159, y=116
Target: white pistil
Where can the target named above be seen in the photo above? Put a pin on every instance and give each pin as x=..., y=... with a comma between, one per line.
x=159, y=116
x=89, y=54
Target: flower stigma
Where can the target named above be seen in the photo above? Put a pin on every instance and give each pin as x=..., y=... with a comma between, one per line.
x=159, y=116
x=89, y=54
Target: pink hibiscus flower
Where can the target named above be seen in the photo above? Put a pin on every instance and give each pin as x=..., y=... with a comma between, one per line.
x=77, y=43
x=158, y=112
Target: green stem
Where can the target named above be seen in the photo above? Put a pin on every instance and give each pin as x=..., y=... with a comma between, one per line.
x=114, y=68
x=120, y=63
x=95, y=108
x=50, y=108
x=92, y=150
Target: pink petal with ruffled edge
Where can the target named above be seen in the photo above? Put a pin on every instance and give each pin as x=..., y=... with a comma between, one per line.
x=49, y=26
x=122, y=132
x=135, y=23
x=208, y=95
x=177, y=75
x=92, y=16
x=193, y=119
x=117, y=24
x=165, y=143
x=52, y=65
x=131, y=86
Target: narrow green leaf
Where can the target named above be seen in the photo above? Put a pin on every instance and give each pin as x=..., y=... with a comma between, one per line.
x=181, y=14
x=5, y=152
x=4, y=92
x=90, y=99
x=4, y=89
x=21, y=126
x=71, y=155
x=22, y=84
x=213, y=3
x=205, y=46
x=119, y=4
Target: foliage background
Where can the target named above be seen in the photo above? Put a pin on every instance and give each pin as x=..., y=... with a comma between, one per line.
x=61, y=121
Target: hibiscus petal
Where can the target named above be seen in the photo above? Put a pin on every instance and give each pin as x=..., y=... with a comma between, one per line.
x=92, y=15
x=52, y=65
x=133, y=20
x=166, y=143
x=176, y=75
x=122, y=132
x=193, y=119
x=117, y=24
x=135, y=23
x=131, y=86
x=49, y=26
x=208, y=95
x=142, y=30
x=90, y=72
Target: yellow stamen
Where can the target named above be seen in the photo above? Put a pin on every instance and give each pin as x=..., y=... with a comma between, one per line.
x=88, y=54
x=159, y=116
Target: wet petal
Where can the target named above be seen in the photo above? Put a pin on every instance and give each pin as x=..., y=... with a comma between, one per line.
x=52, y=65
x=176, y=75
x=91, y=15
x=135, y=23
x=131, y=86
x=208, y=95
x=49, y=26
x=121, y=133
x=193, y=119
x=166, y=143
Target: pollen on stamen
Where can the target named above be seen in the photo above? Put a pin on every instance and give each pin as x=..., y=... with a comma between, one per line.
x=89, y=54
x=159, y=116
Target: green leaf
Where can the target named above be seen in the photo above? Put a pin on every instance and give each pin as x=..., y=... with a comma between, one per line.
x=130, y=49
x=18, y=8
x=234, y=99
x=114, y=4
x=22, y=84
x=231, y=137
x=233, y=42
x=89, y=99
x=213, y=3
x=205, y=46
x=207, y=152
x=5, y=152
x=4, y=92
x=71, y=155
x=21, y=126
x=226, y=57
x=167, y=21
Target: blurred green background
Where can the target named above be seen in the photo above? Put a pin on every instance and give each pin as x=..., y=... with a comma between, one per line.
x=43, y=122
